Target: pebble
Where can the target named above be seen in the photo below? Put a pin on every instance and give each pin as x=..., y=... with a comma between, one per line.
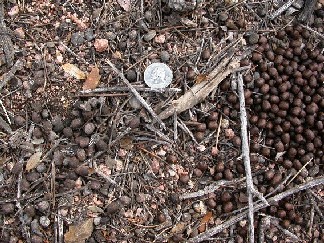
x=134, y=103
x=113, y=207
x=83, y=142
x=95, y=185
x=134, y=122
x=19, y=121
x=205, y=54
x=41, y=168
x=44, y=221
x=57, y=123
x=81, y=154
x=186, y=217
x=32, y=176
x=253, y=38
x=111, y=35
x=132, y=34
x=30, y=211
x=43, y=206
x=68, y=132
x=131, y=75
x=125, y=200
x=89, y=128
x=77, y=38
x=164, y=56
x=96, y=221
x=140, y=198
x=101, y=145
x=184, y=178
x=82, y=170
x=223, y=16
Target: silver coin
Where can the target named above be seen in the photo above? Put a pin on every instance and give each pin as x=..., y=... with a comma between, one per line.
x=158, y=75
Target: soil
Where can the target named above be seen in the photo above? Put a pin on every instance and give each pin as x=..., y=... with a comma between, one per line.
x=101, y=166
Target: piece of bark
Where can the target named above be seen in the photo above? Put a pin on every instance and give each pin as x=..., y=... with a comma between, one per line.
x=201, y=90
x=7, y=51
x=307, y=11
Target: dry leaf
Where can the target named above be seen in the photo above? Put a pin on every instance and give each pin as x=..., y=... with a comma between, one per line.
x=74, y=71
x=101, y=45
x=92, y=80
x=79, y=233
x=204, y=221
x=33, y=161
x=117, y=55
x=200, y=78
x=125, y=4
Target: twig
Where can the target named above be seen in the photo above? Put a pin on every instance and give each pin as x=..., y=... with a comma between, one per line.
x=273, y=200
x=9, y=75
x=246, y=157
x=5, y=126
x=137, y=95
x=121, y=89
x=211, y=188
x=5, y=111
x=175, y=127
x=275, y=222
x=281, y=9
x=186, y=129
x=299, y=171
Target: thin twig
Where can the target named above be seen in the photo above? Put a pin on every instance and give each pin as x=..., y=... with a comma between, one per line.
x=211, y=188
x=122, y=89
x=273, y=200
x=137, y=95
x=246, y=157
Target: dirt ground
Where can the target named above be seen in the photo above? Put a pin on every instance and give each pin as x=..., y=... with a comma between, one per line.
x=90, y=153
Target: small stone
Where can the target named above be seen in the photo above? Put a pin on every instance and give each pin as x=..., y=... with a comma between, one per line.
x=165, y=56
x=36, y=118
x=161, y=218
x=134, y=122
x=83, y=142
x=223, y=16
x=44, y=221
x=19, y=121
x=7, y=208
x=82, y=170
x=113, y=207
x=89, y=128
x=101, y=45
x=41, y=168
x=101, y=145
x=81, y=154
x=140, y=198
x=96, y=221
x=134, y=103
x=149, y=35
x=77, y=38
x=132, y=34
x=205, y=54
x=111, y=35
x=32, y=176
x=76, y=123
x=253, y=38
x=125, y=200
x=57, y=123
x=89, y=34
x=43, y=206
x=184, y=178
x=131, y=75
x=30, y=211
x=95, y=185
x=186, y=217
x=68, y=132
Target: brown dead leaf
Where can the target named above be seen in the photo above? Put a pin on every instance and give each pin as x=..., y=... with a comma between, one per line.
x=80, y=232
x=33, y=161
x=200, y=78
x=204, y=221
x=74, y=71
x=92, y=80
x=125, y=4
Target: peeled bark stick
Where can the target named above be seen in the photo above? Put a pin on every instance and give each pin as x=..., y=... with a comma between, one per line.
x=201, y=90
x=281, y=9
x=258, y=206
x=135, y=92
x=246, y=156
